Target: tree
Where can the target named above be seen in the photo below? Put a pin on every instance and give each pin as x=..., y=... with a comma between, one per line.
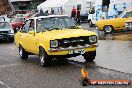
x=5, y=7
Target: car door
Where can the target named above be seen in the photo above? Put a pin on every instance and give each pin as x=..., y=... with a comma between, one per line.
x=23, y=35
x=32, y=37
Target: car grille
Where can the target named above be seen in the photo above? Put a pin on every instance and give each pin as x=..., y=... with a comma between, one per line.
x=74, y=41
x=3, y=31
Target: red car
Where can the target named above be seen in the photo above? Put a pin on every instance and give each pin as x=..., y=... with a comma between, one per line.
x=17, y=23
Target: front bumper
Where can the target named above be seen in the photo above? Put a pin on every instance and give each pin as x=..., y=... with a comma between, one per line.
x=6, y=36
x=65, y=51
x=72, y=48
x=69, y=55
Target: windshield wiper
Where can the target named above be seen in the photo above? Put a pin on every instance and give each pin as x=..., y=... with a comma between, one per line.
x=44, y=30
x=54, y=28
x=49, y=29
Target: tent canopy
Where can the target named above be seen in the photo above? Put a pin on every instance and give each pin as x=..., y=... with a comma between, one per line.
x=52, y=4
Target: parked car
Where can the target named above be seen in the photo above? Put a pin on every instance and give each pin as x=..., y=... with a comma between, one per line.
x=4, y=18
x=17, y=23
x=128, y=25
x=55, y=36
x=6, y=32
x=84, y=17
x=111, y=25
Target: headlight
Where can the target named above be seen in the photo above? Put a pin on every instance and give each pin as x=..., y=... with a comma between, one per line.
x=92, y=39
x=53, y=43
x=11, y=31
x=126, y=24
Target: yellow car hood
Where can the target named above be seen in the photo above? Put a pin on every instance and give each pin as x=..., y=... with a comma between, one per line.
x=66, y=33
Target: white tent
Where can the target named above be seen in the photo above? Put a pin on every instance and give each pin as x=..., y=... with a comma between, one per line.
x=63, y=6
x=47, y=5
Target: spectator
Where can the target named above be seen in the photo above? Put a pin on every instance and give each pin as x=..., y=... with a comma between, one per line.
x=52, y=11
x=73, y=13
x=41, y=12
x=78, y=16
x=46, y=12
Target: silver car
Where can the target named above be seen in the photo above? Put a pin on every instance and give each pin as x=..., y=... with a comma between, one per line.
x=6, y=32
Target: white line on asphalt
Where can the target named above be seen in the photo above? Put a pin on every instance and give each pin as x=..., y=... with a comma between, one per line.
x=8, y=65
x=2, y=83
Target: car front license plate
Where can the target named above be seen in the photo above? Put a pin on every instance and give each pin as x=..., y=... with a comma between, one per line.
x=81, y=51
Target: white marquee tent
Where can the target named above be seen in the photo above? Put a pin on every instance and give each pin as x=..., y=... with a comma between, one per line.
x=62, y=6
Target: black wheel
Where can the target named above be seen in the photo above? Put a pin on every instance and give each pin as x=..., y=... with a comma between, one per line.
x=23, y=54
x=90, y=23
x=90, y=56
x=85, y=82
x=108, y=29
x=44, y=58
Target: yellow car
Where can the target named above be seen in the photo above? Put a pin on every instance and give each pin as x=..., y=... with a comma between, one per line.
x=55, y=36
x=111, y=25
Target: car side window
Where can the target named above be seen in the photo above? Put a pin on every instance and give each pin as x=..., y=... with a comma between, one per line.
x=26, y=26
x=129, y=14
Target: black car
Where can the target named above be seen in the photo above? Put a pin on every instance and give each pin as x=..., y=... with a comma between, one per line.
x=84, y=17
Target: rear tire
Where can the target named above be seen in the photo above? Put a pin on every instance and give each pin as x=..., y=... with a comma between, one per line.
x=44, y=58
x=23, y=54
x=90, y=56
x=90, y=23
x=108, y=29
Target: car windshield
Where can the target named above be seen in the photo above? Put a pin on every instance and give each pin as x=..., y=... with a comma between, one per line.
x=129, y=14
x=125, y=14
x=18, y=19
x=55, y=23
x=4, y=25
x=2, y=19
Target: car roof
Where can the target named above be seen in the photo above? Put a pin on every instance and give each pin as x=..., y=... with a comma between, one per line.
x=129, y=11
x=19, y=17
x=3, y=22
x=48, y=16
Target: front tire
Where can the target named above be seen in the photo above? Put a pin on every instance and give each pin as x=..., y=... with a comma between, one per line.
x=23, y=54
x=90, y=56
x=108, y=29
x=44, y=58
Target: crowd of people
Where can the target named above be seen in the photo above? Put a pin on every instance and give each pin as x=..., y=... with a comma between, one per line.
x=75, y=14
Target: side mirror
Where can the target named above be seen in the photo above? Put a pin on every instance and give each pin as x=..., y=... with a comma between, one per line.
x=31, y=32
